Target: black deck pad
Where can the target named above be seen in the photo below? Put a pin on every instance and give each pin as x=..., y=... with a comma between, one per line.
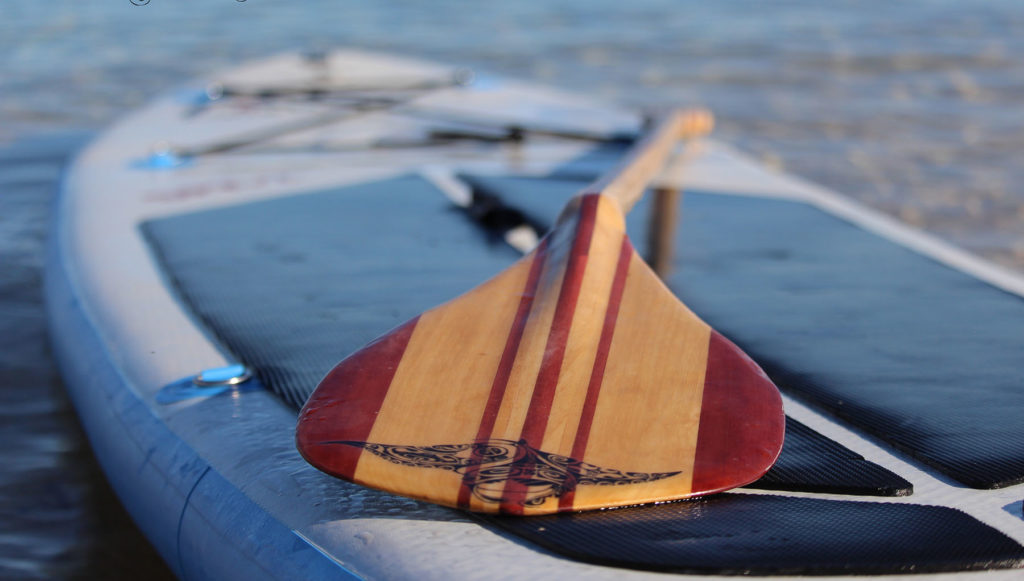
x=734, y=534
x=293, y=285
x=922, y=356
x=810, y=462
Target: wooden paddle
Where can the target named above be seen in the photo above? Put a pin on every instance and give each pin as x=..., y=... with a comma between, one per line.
x=572, y=380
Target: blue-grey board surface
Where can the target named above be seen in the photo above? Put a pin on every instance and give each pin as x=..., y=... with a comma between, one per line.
x=309, y=278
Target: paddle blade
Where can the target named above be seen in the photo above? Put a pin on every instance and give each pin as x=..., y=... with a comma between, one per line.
x=573, y=380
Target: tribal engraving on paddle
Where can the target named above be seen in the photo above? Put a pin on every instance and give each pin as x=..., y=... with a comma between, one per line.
x=488, y=465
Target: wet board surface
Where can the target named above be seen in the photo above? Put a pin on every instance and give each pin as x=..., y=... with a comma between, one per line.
x=294, y=344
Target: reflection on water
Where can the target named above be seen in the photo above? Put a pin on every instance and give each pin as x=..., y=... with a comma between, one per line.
x=912, y=107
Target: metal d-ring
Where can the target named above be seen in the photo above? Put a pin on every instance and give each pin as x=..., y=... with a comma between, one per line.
x=223, y=376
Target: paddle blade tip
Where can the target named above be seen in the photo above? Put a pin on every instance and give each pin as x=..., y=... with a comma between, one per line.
x=742, y=424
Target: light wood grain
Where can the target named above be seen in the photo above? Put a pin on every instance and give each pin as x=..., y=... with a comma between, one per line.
x=444, y=352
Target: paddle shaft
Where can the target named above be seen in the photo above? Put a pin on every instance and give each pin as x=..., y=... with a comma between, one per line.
x=625, y=183
x=646, y=159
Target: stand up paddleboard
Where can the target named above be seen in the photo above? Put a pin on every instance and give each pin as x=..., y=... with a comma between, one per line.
x=217, y=253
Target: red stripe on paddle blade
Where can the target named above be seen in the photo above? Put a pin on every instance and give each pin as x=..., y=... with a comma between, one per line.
x=741, y=421
x=558, y=337
x=345, y=404
x=504, y=370
x=611, y=315
x=554, y=351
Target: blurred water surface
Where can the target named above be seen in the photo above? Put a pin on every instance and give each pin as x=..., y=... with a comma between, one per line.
x=912, y=107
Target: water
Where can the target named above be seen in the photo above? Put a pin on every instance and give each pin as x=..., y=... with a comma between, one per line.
x=911, y=107
x=58, y=517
